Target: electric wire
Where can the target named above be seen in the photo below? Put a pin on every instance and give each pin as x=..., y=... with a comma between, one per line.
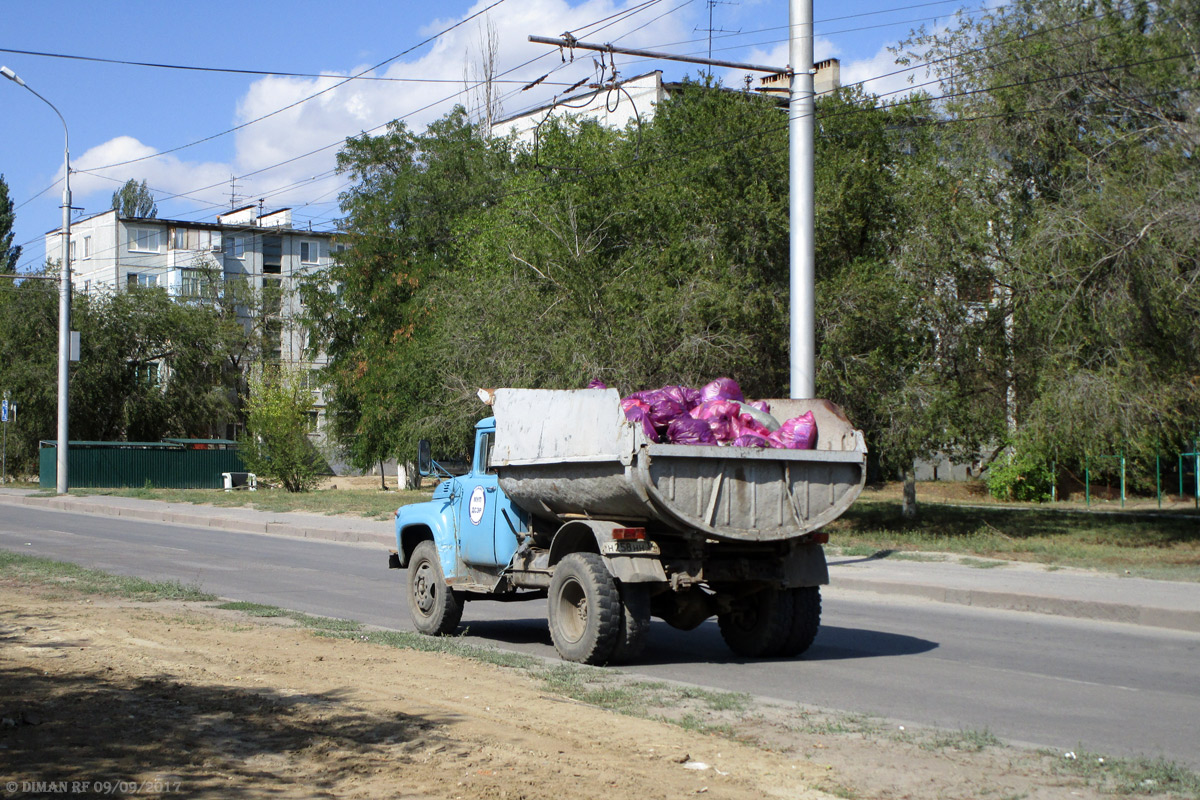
x=303, y=100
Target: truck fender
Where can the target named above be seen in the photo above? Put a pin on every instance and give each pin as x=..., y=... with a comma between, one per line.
x=590, y=536
x=415, y=524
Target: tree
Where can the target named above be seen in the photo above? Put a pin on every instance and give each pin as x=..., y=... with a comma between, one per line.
x=10, y=254
x=135, y=200
x=1081, y=117
x=276, y=444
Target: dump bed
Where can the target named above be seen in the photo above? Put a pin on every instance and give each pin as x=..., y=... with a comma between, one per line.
x=567, y=454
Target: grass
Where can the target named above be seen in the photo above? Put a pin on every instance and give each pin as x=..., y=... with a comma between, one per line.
x=71, y=577
x=369, y=503
x=1130, y=776
x=962, y=740
x=1166, y=546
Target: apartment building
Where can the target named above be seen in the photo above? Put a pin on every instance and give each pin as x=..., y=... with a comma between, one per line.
x=111, y=253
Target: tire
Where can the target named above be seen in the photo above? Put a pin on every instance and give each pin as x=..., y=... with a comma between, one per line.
x=806, y=620
x=757, y=625
x=435, y=608
x=584, y=609
x=635, y=622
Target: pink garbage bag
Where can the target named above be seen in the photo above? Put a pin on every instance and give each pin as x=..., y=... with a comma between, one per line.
x=596, y=383
x=638, y=411
x=686, y=430
x=722, y=389
x=721, y=416
x=798, y=433
x=750, y=440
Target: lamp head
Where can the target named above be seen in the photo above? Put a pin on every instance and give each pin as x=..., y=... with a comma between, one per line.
x=12, y=76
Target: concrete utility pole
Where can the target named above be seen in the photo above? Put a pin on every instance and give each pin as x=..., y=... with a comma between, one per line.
x=64, y=292
x=801, y=113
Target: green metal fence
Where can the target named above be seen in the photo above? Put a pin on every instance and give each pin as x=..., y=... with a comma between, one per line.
x=169, y=464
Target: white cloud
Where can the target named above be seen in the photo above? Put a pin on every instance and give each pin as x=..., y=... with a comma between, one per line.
x=880, y=75
x=349, y=109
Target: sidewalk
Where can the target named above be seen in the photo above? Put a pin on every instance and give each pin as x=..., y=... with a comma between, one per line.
x=1017, y=586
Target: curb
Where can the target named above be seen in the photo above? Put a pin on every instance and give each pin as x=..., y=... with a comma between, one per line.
x=216, y=521
x=1102, y=611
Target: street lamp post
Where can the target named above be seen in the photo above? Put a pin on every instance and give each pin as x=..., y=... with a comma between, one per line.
x=64, y=291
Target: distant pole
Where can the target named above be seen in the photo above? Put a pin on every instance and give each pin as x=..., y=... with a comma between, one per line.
x=64, y=290
x=801, y=113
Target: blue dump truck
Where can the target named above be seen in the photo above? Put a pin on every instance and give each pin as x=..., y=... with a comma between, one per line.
x=567, y=500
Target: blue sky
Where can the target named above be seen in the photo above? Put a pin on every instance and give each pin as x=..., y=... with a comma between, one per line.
x=117, y=113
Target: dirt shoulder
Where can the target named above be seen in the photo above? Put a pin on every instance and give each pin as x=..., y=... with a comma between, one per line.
x=118, y=697
x=182, y=698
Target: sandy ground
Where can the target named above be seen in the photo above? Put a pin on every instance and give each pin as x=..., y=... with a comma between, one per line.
x=122, y=698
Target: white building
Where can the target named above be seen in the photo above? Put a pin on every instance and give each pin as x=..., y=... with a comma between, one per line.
x=636, y=99
x=110, y=253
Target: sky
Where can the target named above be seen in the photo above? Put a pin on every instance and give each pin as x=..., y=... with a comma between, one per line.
x=206, y=141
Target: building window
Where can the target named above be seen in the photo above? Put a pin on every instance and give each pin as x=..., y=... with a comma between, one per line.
x=73, y=243
x=142, y=280
x=195, y=283
x=235, y=246
x=145, y=240
x=193, y=239
x=87, y=247
x=314, y=421
x=147, y=374
x=309, y=252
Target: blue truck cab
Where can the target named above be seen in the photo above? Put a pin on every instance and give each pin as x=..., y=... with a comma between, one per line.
x=472, y=524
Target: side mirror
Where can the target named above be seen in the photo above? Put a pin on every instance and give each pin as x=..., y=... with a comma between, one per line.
x=424, y=458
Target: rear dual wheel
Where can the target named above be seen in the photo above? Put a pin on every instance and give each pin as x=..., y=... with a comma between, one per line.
x=772, y=622
x=593, y=619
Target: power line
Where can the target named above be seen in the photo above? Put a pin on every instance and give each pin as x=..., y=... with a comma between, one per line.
x=386, y=61
x=235, y=71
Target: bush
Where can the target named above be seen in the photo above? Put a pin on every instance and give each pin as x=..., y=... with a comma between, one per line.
x=276, y=445
x=1023, y=477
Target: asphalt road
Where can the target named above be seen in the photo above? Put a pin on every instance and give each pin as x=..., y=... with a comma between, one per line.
x=1067, y=684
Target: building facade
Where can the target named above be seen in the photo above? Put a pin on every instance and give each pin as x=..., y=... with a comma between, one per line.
x=112, y=253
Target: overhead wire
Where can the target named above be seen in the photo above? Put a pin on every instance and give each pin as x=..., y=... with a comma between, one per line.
x=236, y=71
x=303, y=100
x=643, y=5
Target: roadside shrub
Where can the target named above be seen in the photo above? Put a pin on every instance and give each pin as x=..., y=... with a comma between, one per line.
x=1023, y=477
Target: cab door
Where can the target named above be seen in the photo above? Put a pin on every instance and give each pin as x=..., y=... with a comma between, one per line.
x=486, y=538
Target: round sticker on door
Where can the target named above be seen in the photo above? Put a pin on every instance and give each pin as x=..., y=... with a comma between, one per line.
x=476, y=507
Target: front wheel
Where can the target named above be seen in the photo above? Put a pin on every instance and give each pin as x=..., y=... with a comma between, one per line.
x=584, y=609
x=435, y=609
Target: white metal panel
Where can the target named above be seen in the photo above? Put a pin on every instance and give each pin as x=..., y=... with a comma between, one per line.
x=538, y=426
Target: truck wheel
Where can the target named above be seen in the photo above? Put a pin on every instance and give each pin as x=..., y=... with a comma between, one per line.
x=758, y=624
x=635, y=621
x=806, y=619
x=434, y=607
x=584, y=609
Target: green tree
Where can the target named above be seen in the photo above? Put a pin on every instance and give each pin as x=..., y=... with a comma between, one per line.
x=28, y=371
x=276, y=444
x=10, y=254
x=1082, y=117
x=135, y=200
